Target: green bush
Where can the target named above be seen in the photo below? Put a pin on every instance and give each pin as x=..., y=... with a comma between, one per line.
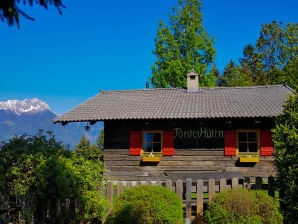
x=147, y=204
x=285, y=138
x=243, y=206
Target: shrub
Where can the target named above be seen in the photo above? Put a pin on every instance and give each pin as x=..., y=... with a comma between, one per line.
x=147, y=204
x=243, y=206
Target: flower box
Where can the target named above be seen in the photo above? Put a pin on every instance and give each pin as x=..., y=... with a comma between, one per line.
x=249, y=159
x=151, y=159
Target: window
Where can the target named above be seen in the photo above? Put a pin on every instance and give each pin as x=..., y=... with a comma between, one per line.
x=152, y=142
x=248, y=142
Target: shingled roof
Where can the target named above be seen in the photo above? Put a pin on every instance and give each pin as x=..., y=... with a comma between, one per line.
x=178, y=103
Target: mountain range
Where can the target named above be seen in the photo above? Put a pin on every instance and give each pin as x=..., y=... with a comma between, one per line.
x=30, y=115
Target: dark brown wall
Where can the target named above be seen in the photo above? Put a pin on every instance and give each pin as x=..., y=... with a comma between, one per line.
x=194, y=157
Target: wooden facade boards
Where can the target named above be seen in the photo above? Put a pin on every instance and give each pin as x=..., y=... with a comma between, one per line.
x=199, y=150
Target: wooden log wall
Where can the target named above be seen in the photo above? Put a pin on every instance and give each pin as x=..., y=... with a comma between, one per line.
x=196, y=163
x=185, y=163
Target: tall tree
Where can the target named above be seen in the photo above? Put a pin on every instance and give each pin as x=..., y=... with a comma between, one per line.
x=285, y=139
x=273, y=56
x=10, y=10
x=181, y=46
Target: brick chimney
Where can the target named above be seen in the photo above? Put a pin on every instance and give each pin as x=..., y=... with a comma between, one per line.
x=192, y=80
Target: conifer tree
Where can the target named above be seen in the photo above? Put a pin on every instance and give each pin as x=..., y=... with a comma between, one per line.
x=181, y=46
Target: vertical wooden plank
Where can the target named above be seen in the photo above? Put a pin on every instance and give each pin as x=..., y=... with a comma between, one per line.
x=200, y=200
x=222, y=184
x=211, y=189
x=110, y=191
x=128, y=185
x=188, y=198
x=179, y=189
x=234, y=182
x=119, y=188
x=169, y=184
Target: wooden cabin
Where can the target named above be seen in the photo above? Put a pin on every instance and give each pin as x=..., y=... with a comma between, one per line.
x=175, y=133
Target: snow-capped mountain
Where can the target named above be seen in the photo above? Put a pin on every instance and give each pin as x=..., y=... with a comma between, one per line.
x=25, y=106
x=30, y=115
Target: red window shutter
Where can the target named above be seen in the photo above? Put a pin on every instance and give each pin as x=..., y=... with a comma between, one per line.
x=135, y=143
x=266, y=144
x=230, y=143
x=168, y=143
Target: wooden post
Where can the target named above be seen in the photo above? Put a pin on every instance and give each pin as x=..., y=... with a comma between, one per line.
x=110, y=191
x=128, y=184
x=222, y=184
x=119, y=188
x=235, y=182
x=169, y=184
x=188, y=198
x=179, y=189
x=211, y=189
x=200, y=200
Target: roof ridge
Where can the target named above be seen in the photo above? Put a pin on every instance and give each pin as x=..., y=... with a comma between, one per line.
x=144, y=89
x=193, y=91
x=181, y=88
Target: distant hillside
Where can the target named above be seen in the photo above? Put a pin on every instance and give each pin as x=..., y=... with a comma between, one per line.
x=30, y=115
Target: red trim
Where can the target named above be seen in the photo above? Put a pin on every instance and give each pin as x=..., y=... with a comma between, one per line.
x=168, y=143
x=135, y=143
x=230, y=143
x=266, y=144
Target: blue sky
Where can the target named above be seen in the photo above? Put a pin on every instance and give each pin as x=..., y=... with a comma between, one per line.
x=106, y=45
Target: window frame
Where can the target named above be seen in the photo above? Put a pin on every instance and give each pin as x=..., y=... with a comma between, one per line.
x=143, y=142
x=257, y=153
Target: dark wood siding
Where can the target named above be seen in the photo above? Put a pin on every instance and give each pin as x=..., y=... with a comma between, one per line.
x=193, y=157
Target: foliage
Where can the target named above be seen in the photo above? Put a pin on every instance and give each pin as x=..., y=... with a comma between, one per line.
x=10, y=10
x=234, y=76
x=147, y=204
x=92, y=152
x=285, y=138
x=100, y=140
x=181, y=46
x=243, y=206
x=272, y=60
x=36, y=169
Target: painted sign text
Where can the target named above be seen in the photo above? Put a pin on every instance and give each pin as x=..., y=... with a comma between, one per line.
x=203, y=132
